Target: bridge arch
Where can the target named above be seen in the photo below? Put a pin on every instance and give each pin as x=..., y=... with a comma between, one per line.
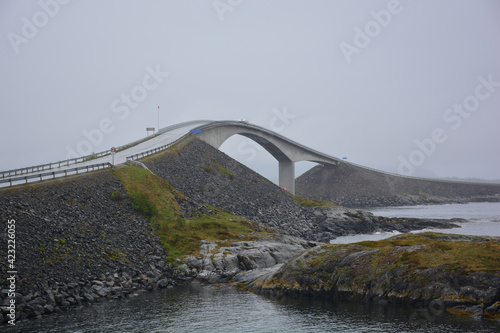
x=286, y=151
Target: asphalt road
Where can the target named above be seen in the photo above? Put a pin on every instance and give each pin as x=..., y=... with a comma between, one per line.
x=167, y=137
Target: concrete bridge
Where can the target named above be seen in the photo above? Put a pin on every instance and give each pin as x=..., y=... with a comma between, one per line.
x=286, y=151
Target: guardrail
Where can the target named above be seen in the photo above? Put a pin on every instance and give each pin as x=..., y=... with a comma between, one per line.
x=71, y=161
x=256, y=127
x=53, y=175
x=11, y=180
x=51, y=165
x=154, y=150
x=68, y=162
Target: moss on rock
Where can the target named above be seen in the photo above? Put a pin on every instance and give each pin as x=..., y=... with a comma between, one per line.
x=411, y=269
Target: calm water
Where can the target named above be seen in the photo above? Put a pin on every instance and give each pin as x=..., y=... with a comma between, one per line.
x=483, y=219
x=200, y=308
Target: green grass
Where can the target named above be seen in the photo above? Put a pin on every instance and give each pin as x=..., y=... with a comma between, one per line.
x=470, y=256
x=216, y=166
x=91, y=157
x=157, y=199
x=224, y=171
x=434, y=252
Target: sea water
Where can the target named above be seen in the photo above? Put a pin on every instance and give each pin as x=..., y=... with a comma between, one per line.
x=483, y=219
x=203, y=308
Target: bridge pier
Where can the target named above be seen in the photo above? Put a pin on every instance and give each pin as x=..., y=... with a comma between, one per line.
x=284, y=150
x=287, y=175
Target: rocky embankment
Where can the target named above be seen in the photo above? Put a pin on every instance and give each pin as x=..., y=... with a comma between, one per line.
x=206, y=175
x=77, y=241
x=457, y=274
x=353, y=186
x=82, y=239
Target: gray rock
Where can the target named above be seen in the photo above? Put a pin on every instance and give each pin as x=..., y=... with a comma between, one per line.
x=48, y=308
x=231, y=261
x=163, y=283
x=89, y=298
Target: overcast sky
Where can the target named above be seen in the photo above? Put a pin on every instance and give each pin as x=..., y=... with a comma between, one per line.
x=401, y=86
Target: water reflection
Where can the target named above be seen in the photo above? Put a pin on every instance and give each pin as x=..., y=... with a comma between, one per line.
x=200, y=308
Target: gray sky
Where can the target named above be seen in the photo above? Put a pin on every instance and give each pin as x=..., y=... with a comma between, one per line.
x=401, y=86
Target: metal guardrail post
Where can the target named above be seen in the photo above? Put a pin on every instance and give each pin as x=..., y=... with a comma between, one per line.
x=40, y=176
x=68, y=162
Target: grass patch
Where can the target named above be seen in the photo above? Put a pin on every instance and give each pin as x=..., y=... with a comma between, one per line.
x=212, y=168
x=312, y=202
x=318, y=259
x=465, y=255
x=175, y=149
x=208, y=168
x=224, y=171
x=91, y=157
x=157, y=199
x=469, y=256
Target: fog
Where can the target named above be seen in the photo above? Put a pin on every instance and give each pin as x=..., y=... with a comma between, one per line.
x=411, y=87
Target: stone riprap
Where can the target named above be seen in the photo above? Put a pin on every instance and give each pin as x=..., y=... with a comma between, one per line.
x=354, y=186
x=77, y=241
x=207, y=175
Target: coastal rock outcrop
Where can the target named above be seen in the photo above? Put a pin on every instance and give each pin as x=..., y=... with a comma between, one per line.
x=240, y=261
x=83, y=239
x=454, y=273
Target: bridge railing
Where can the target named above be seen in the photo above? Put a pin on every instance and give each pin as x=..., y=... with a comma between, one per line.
x=71, y=161
x=51, y=165
x=68, y=162
x=256, y=127
x=155, y=150
x=37, y=177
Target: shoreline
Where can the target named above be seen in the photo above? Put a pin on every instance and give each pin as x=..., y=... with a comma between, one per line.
x=86, y=239
x=373, y=272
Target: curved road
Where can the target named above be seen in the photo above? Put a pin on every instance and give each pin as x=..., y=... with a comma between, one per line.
x=165, y=136
x=170, y=134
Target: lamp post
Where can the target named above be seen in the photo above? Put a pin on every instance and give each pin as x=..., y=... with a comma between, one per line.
x=158, y=120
